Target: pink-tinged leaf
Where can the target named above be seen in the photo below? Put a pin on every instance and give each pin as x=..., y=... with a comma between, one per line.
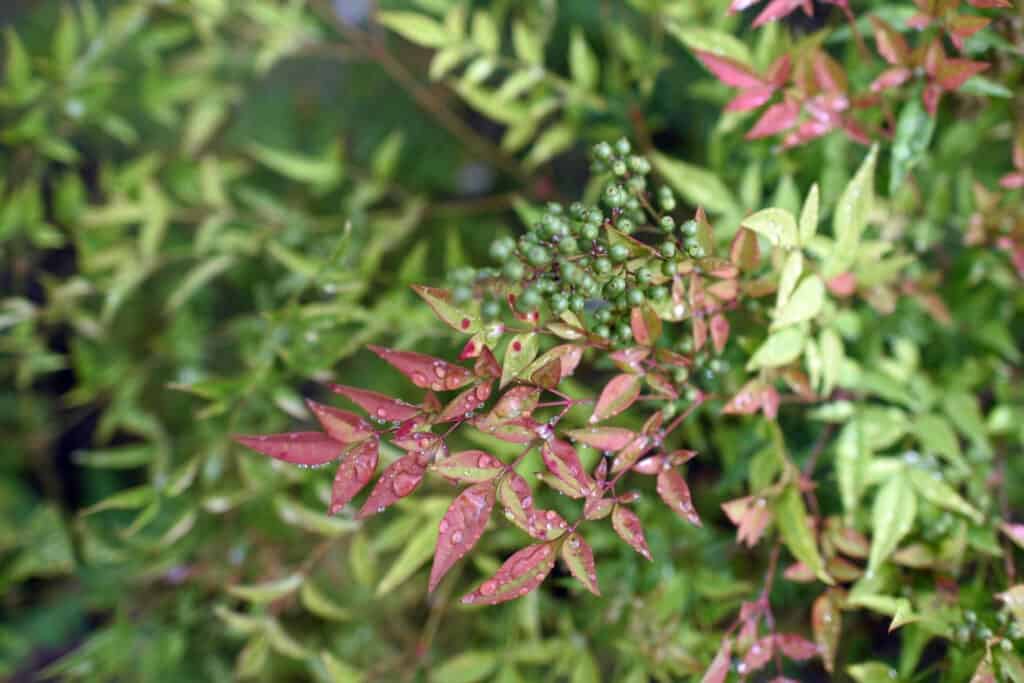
x=673, y=490
x=340, y=425
x=740, y=5
x=729, y=71
x=891, y=44
x=412, y=440
x=891, y=78
x=930, y=96
x=627, y=526
x=919, y=22
x=597, y=508
x=829, y=74
x=699, y=326
x=770, y=402
x=568, y=355
x=629, y=360
x=719, y=669
x=778, y=72
x=759, y=654
x=646, y=325
x=469, y=467
x=984, y=673
x=516, y=402
x=603, y=438
x=744, y=251
x=460, y=529
x=378, y=406
x=629, y=455
x=1015, y=532
x=519, y=430
x=724, y=290
x=990, y=4
x=431, y=403
x=747, y=400
x=661, y=385
x=776, y=118
x=426, y=371
x=752, y=98
x=719, y=332
x=777, y=9
x=798, y=572
x=617, y=395
x=964, y=26
x=751, y=515
x=463, y=406
x=826, y=623
x=652, y=465
x=564, y=463
x=487, y=365
x=548, y=376
x=516, y=497
x=1012, y=181
x=578, y=557
x=953, y=73
x=843, y=285
x=310, y=449
x=398, y=481
x=354, y=473
x=440, y=301
x=523, y=572
x=795, y=646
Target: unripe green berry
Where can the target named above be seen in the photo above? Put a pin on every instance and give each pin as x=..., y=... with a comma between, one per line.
x=658, y=293
x=577, y=210
x=603, y=151
x=668, y=249
x=622, y=147
x=632, y=204
x=635, y=296
x=603, y=315
x=637, y=183
x=603, y=331
x=568, y=246
x=588, y=285
x=501, y=250
x=589, y=231
x=490, y=309
x=619, y=168
x=614, y=196
x=667, y=204
x=623, y=332
x=618, y=253
x=538, y=256
x=689, y=227
x=667, y=223
x=514, y=270
x=569, y=271
x=531, y=298
x=644, y=275
x=559, y=303
x=669, y=268
x=602, y=265
x=695, y=251
x=577, y=303
x=639, y=165
x=626, y=225
x=615, y=286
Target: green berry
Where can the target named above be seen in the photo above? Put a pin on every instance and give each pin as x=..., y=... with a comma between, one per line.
x=689, y=227
x=644, y=275
x=538, y=256
x=501, y=250
x=588, y=285
x=514, y=270
x=615, y=286
x=568, y=246
x=623, y=332
x=635, y=296
x=667, y=223
x=603, y=331
x=614, y=196
x=639, y=165
x=669, y=268
x=626, y=225
x=602, y=265
x=603, y=315
x=603, y=151
x=668, y=249
x=657, y=293
x=531, y=298
x=490, y=309
x=589, y=231
x=461, y=295
x=618, y=253
x=622, y=147
x=637, y=183
x=619, y=168
x=577, y=303
x=559, y=303
x=569, y=271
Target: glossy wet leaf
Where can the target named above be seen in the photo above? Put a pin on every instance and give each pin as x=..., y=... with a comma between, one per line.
x=458, y=318
x=340, y=425
x=310, y=449
x=618, y=395
x=520, y=352
x=794, y=526
x=426, y=371
x=578, y=557
x=465, y=405
x=777, y=226
x=521, y=573
x=378, y=406
x=779, y=348
x=400, y=479
x=469, y=467
x=460, y=528
x=563, y=462
x=627, y=525
x=603, y=438
x=516, y=498
x=892, y=517
x=805, y=303
x=676, y=493
x=354, y=473
x=826, y=623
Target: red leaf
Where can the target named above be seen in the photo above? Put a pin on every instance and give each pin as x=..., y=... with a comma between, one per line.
x=953, y=73
x=700, y=332
x=564, y=463
x=426, y=371
x=309, y=449
x=517, y=401
x=1012, y=181
x=519, y=430
x=891, y=78
x=354, y=473
x=578, y=557
x=487, y=365
x=744, y=250
x=517, y=498
x=597, y=508
x=340, y=425
x=379, y=406
x=627, y=526
x=603, y=438
x=617, y=395
x=465, y=404
x=795, y=646
x=776, y=118
x=629, y=360
x=469, y=467
x=522, y=572
x=777, y=9
x=729, y=71
x=646, y=325
x=747, y=400
x=759, y=654
x=398, y=481
x=460, y=528
x=964, y=26
x=930, y=96
x=830, y=76
x=751, y=98
x=778, y=72
x=662, y=385
x=719, y=331
x=719, y=668
x=631, y=453
x=751, y=515
x=673, y=490
x=891, y=44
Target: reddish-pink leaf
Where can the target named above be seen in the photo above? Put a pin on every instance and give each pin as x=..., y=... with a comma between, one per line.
x=517, y=499
x=891, y=78
x=603, y=438
x=719, y=668
x=646, y=325
x=517, y=401
x=953, y=73
x=740, y=5
x=487, y=365
x=460, y=528
x=309, y=449
x=379, y=406
x=751, y=515
x=340, y=425
x=629, y=455
x=745, y=251
x=990, y=4
x=964, y=26
x=354, y=473
x=729, y=71
x=777, y=9
x=597, y=508
x=627, y=526
x=1015, y=532
x=798, y=572
x=776, y=118
x=719, y=332
x=747, y=400
x=398, y=481
x=661, y=385
x=699, y=325
x=564, y=463
x=617, y=395
x=519, y=430
x=778, y=72
x=651, y=466
x=463, y=406
x=469, y=467
x=891, y=44
x=759, y=654
x=522, y=572
x=578, y=557
x=751, y=98
x=795, y=646
x=426, y=371
x=417, y=441
x=1012, y=181
x=629, y=360
x=673, y=490
x=770, y=402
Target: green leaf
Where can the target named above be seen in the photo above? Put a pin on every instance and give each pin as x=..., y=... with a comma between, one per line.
x=18, y=68
x=792, y=269
x=416, y=552
x=809, y=216
x=699, y=186
x=892, y=518
x=552, y=141
x=709, y=40
x=832, y=356
x=795, y=528
x=457, y=318
x=414, y=27
x=935, y=435
x=466, y=667
x=873, y=672
x=962, y=409
x=528, y=48
x=805, y=303
x=269, y=591
x=914, y=130
x=485, y=32
x=583, y=62
x=777, y=225
x=852, y=214
x=320, y=604
x=324, y=172
x=939, y=493
x=779, y=348
x=519, y=353
x=338, y=671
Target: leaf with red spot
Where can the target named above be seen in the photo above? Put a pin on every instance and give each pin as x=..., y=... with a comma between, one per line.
x=891, y=44
x=618, y=395
x=603, y=438
x=646, y=325
x=354, y=473
x=340, y=425
x=578, y=557
x=629, y=455
x=516, y=497
x=523, y=572
x=729, y=71
x=564, y=463
x=795, y=646
x=440, y=300
x=426, y=371
x=466, y=403
x=469, y=467
x=310, y=449
x=674, y=491
x=759, y=654
x=521, y=351
x=719, y=332
x=719, y=668
x=775, y=119
x=460, y=529
x=627, y=526
x=379, y=406
x=398, y=481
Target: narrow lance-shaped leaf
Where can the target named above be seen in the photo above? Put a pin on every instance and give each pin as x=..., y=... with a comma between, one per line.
x=892, y=518
x=579, y=559
x=398, y=481
x=627, y=526
x=460, y=528
x=777, y=225
x=516, y=497
x=826, y=622
x=564, y=463
x=618, y=395
x=795, y=528
x=354, y=473
x=521, y=351
x=805, y=303
x=469, y=467
x=426, y=371
x=673, y=490
x=521, y=573
x=379, y=406
x=309, y=449
x=719, y=668
x=455, y=317
x=463, y=406
x=603, y=438
x=340, y=425
x=809, y=216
